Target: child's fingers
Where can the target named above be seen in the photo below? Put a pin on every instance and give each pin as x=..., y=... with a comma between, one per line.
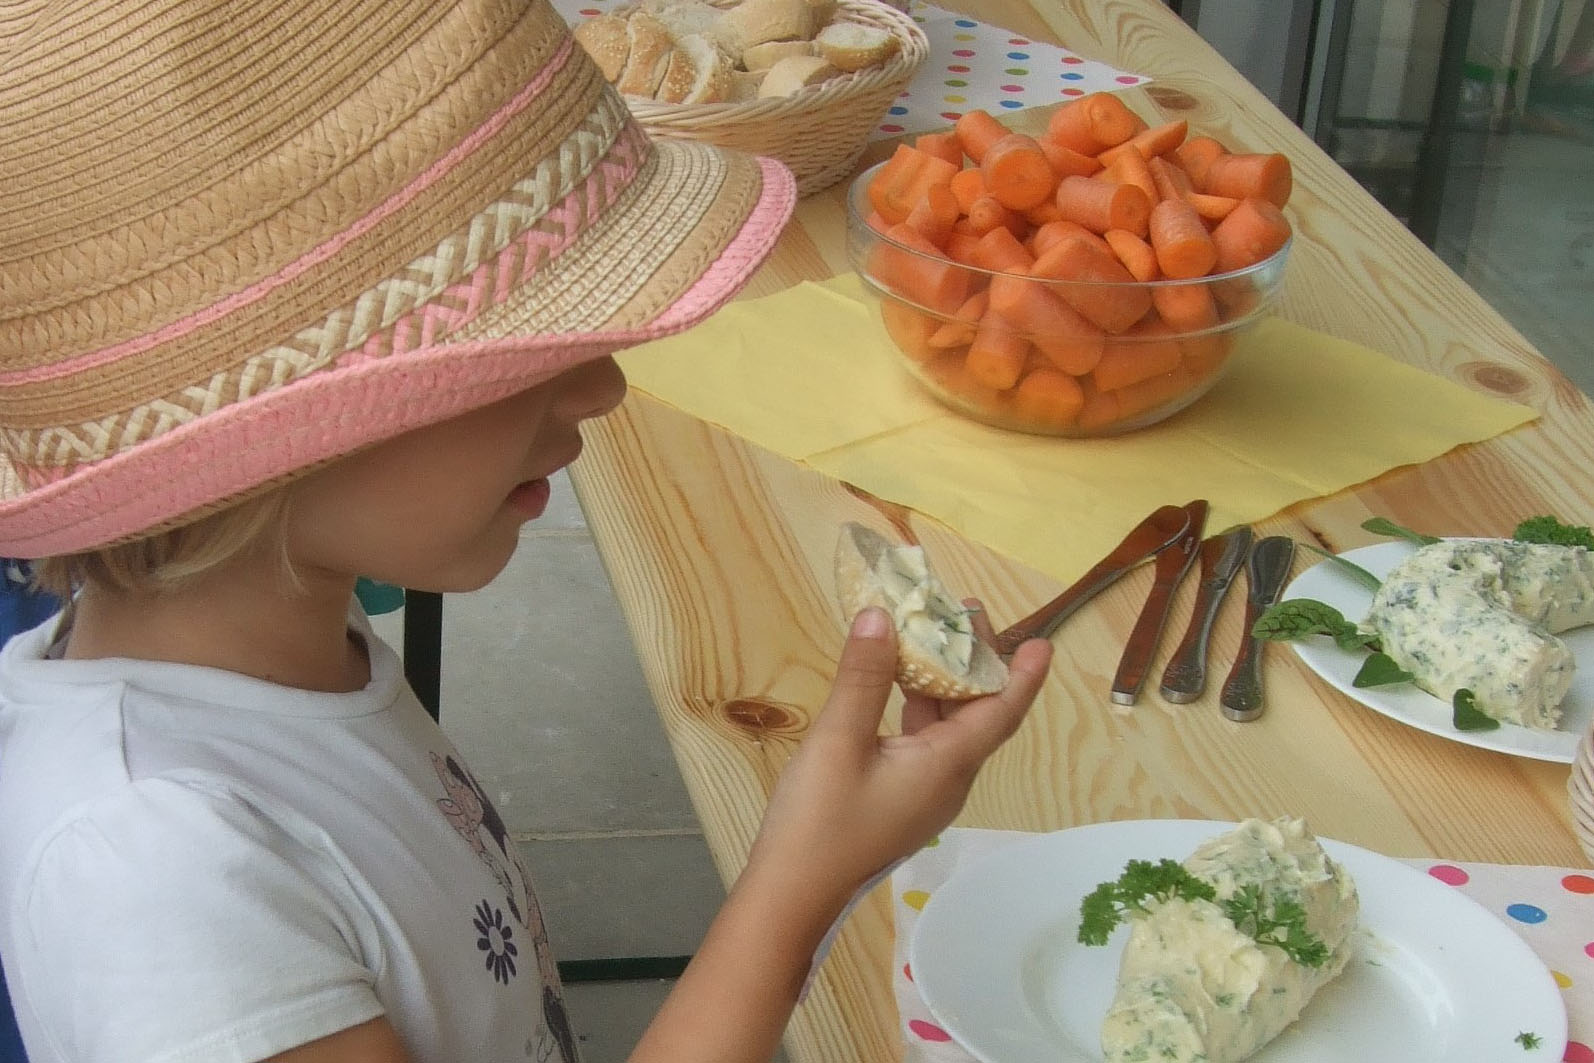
x=864, y=677
x=981, y=620
x=973, y=731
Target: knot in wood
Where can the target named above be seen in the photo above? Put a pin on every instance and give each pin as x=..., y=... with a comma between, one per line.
x=1172, y=99
x=763, y=718
x=1500, y=379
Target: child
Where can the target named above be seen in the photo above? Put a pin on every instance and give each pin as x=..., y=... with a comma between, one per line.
x=292, y=294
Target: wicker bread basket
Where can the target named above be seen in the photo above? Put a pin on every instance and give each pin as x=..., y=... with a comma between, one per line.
x=1580, y=793
x=819, y=132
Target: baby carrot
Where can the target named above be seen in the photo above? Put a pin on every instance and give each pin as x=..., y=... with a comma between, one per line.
x=1093, y=123
x=1043, y=212
x=1253, y=231
x=1153, y=392
x=1147, y=350
x=1100, y=409
x=1043, y=238
x=943, y=145
x=1212, y=208
x=1151, y=143
x=1097, y=285
x=960, y=327
x=1017, y=172
x=1252, y=175
x=1183, y=246
x=1171, y=180
x=909, y=329
x=935, y=214
x=1206, y=353
x=987, y=213
x=1001, y=252
x=977, y=131
x=1131, y=168
x=961, y=243
x=949, y=370
x=1102, y=205
x=922, y=275
x=1136, y=255
x=997, y=355
x=1185, y=307
x=900, y=183
x=1048, y=398
x=1065, y=161
x=1196, y=154
x=968, y=185
x=1068, y=340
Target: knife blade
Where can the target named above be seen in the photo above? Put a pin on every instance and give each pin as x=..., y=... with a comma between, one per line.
x=1185, y=678
x=1172, y=564
x=1266, y=571
x=1161, y=528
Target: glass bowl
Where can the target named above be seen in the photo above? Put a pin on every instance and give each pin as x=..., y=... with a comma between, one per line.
x=1067, y=358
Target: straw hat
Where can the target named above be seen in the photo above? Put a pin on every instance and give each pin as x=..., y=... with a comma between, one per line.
x=238, y=240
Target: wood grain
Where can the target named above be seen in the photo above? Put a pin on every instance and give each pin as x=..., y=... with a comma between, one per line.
x=720, y=555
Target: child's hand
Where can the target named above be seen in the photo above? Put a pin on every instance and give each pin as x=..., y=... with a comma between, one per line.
x=852, y=801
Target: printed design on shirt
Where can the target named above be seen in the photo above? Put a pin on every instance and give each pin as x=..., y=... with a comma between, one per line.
x=497, y=940
x=476, y=820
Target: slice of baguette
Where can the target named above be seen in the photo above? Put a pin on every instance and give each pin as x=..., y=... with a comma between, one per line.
x=714, y=70
x=757, y=21
x=763, y=56
x=795, y=73
x=651, y=46
x=937, y=651
x=680, y=74
x=604, y=37
x=852, y=46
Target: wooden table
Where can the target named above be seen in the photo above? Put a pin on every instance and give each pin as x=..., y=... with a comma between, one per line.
x=720, y=554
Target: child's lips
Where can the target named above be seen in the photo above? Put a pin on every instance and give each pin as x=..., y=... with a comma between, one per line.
x=531, y=498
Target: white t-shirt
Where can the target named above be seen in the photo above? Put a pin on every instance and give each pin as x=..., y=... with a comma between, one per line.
x=200, y=866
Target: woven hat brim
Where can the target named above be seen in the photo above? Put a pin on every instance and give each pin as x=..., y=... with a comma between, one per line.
x=551, y=325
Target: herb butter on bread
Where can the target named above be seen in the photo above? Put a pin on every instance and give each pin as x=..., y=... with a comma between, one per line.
x=938, y=652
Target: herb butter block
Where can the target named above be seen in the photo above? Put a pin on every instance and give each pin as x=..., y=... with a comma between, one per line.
x=1482, y=615
x=1195, y=988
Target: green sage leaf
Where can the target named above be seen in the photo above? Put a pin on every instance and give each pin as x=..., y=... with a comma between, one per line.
x=1350, y=568
x=1467, y=716
x=1385, y=526
x=1380, y=670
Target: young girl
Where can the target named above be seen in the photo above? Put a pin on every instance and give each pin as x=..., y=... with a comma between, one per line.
x=291, y=295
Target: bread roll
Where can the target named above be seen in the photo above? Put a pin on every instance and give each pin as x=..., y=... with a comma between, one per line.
x=757, y=21
x=744, y=85
x=651, y=49
x=937, y=651
x=852, y=46
x=795, y=73
x=606, y=39
x=689, y=18
x=763, y=56
x=712, y=70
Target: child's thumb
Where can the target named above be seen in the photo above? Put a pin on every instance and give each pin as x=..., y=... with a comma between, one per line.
x=864, y=676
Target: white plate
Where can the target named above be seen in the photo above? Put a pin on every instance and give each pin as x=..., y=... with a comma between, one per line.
x=1418, y=708
x=1434, y=976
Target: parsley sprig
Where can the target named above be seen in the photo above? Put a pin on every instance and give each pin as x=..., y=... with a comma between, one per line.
x=1109, y=903
x=1548, y=529
x=1278, y=921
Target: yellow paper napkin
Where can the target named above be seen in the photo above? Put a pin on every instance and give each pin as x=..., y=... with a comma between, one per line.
x=810, y=374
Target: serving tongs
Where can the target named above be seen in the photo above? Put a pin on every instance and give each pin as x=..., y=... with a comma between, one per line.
x=1159, y=530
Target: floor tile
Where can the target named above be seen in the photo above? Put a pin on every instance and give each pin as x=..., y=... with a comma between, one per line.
x=609, y=1017
x=615, y=896
x=543, y=693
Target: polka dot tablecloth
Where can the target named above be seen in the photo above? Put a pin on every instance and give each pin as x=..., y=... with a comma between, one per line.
x=975, y=66
x=971, y=65
x=1552, y=908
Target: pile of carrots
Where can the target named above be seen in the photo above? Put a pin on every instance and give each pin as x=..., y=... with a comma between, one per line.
x=1098, y=201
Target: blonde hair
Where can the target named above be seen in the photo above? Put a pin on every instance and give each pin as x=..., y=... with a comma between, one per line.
x=171, y=559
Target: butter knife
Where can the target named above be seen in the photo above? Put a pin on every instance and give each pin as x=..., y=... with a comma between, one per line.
x=1185, y=678
x=1266, y=570
x=1172, y=564
x=1158, y=530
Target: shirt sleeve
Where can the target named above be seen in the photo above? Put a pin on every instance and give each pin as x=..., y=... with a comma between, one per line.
x=178, y=922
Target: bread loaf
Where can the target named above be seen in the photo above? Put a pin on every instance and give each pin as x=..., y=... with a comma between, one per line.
x=713, y=51
x=938, y=652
